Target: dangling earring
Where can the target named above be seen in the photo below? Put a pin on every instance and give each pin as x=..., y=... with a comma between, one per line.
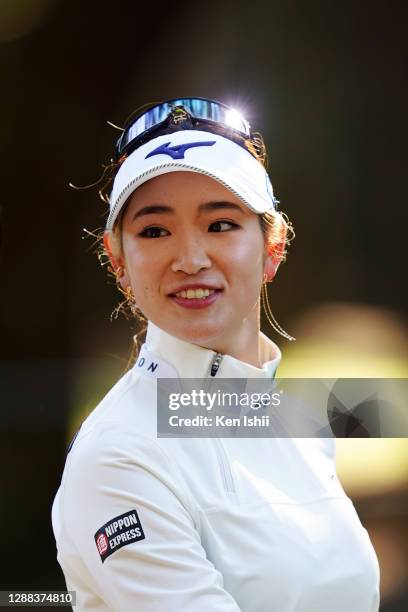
x=118, y=272
x=128, y=293
x=268, y=312
x=131, y=300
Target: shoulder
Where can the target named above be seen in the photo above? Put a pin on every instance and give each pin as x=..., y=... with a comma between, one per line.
x=110, y=443
x=113, y=461
x=118, y=440
x=122, y=429
x=122, y=424
x=129, y=404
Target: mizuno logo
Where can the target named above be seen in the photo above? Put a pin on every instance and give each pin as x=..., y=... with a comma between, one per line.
x=177, y=152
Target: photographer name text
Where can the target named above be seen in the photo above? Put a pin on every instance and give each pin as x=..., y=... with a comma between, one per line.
x=219, y=421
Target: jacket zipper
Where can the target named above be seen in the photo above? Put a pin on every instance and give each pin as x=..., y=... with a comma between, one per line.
x=215, y=364
x=223, y=462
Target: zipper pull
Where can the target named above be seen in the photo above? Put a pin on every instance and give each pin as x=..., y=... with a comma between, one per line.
x=215, y=364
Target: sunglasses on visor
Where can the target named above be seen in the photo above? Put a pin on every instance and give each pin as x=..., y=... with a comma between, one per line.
x=200, y=112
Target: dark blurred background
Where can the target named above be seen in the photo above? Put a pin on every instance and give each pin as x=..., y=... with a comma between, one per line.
x=326, y=84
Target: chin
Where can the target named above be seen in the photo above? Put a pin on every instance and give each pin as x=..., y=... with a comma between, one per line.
x=204, y=334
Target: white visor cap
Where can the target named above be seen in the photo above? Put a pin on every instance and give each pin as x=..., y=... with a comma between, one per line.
x=194, y=151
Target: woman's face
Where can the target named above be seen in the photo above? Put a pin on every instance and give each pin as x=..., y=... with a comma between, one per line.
x=184, y=232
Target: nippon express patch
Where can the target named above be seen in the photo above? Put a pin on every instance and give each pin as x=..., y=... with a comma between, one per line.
x=118, y=532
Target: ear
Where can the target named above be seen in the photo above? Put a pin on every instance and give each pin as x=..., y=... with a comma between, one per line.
x=117, y=261
x=273, y=260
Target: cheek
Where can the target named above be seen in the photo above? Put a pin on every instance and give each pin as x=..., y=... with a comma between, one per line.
x=248, y=257
x=142, y=267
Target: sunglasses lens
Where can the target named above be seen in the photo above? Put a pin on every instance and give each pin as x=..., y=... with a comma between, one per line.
x=198, y=108
x=216, y=112
x=142, y=124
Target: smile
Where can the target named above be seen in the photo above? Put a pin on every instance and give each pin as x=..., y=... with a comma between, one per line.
x=197, y=298
x=195, y=294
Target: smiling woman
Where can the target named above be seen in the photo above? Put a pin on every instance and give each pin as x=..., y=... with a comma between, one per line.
x=251, y=195
x=183, y=234
x=172, y=523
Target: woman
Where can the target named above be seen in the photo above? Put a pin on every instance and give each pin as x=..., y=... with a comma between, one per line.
x=182, y=524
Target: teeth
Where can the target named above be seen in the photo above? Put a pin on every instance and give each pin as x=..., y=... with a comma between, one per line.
x=195, y=294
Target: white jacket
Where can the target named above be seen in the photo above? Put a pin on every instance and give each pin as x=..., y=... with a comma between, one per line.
x=197, y=525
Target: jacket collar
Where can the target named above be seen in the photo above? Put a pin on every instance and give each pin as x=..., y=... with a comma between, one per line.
x=165, y=356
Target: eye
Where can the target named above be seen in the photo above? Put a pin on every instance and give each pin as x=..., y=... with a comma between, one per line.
x=222, y=226
x=153, y=232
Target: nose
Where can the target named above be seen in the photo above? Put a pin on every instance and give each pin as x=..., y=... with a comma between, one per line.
x=191, y=256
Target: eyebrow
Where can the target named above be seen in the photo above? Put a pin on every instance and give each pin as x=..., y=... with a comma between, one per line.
x=207, y=207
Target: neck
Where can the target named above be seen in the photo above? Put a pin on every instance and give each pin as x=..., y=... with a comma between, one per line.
x=245, y=345
x=170, y=356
